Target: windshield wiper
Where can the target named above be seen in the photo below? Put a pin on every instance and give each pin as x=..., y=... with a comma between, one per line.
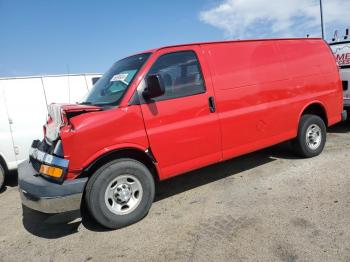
x=85, y=103
x=90, y=104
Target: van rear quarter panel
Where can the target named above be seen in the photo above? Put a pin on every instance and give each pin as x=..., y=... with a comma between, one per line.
x=315, y=75
x=262, y=87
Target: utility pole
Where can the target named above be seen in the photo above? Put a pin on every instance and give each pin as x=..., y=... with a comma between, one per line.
x=322, y=21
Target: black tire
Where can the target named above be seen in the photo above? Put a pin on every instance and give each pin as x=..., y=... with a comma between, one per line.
x=101, y=179
x=301, y=145
x=2, y=176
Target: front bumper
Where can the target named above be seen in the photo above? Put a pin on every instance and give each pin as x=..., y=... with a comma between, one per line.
x=48, y=197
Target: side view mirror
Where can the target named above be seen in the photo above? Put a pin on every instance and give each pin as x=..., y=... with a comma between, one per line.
x=154, y=87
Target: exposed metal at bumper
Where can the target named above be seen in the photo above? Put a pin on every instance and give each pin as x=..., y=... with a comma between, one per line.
x=42, y=195
x=53, y=128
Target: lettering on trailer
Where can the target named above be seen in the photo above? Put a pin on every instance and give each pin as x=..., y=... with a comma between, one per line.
x=342, y=54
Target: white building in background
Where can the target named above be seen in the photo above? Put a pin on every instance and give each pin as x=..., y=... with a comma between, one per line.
x=23, y=109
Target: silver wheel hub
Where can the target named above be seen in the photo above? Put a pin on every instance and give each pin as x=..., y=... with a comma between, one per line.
x=313, y=136
x=123, y=194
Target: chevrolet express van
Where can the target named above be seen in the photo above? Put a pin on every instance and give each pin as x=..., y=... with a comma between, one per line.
x=163, y=112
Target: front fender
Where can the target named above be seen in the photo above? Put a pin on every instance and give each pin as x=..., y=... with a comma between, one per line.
x=112, y=148
x=97, y=133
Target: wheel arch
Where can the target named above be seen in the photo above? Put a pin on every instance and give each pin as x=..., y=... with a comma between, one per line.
x=315, y=108
x=145, y=157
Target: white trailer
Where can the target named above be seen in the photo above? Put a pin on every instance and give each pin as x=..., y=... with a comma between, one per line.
x=341, y=51
x=23, y=110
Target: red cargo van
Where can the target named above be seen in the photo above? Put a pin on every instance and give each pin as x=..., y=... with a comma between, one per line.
x=170, y=110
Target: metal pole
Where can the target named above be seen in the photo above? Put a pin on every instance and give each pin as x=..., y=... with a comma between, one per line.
x=322, y=21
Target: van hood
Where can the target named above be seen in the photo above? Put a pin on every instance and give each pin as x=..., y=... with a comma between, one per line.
x=59, y=115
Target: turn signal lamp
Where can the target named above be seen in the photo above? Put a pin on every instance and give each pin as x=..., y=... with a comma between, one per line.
x=51, y=171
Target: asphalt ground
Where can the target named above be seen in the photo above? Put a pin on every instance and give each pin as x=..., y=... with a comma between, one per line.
x=265, y=206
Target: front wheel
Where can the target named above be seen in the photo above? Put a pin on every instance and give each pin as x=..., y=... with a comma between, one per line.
x=120, y=193
x=311, y=137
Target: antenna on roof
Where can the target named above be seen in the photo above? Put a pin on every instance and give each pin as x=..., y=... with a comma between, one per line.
x=322, y=21
x=68, y=82
x=346, y=34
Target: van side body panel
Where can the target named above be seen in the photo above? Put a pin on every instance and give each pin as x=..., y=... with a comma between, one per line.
x=262, y=88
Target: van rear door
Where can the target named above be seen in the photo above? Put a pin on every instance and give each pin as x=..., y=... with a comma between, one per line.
x=6, y=148
x=183, y=130
x=27, y=110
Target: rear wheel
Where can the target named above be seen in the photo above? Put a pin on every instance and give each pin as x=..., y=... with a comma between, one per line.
x=311, y=137
x=120, y=193
x=2, y=176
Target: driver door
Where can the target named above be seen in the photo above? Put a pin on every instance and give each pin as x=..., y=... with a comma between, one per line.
x=183, y=130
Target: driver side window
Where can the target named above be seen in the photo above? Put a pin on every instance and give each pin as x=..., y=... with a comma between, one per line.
x=181, y=74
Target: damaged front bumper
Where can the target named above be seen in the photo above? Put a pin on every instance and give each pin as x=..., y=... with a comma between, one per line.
x=47, y=196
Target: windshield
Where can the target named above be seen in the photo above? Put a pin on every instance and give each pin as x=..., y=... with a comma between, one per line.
x=111, y=87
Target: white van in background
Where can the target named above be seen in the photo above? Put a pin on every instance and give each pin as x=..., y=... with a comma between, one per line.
x=341, y=51
x=23, y=110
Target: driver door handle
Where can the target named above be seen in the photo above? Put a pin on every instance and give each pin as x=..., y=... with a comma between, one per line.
x=212, y=104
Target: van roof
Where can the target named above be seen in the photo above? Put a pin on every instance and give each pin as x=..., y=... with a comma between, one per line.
x=221, y=42
x=230, y=41
x=39, y=76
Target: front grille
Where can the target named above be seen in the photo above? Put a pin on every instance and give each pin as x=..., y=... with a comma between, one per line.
x=36, y=164
x=45, y=147
x=42, y=146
